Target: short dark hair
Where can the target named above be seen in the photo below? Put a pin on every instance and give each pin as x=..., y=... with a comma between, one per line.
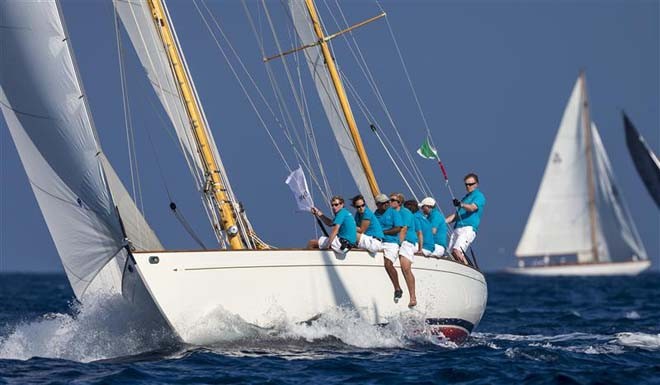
x=472, y=175
x=337, y=198
x=411, y=205
x=356, y=198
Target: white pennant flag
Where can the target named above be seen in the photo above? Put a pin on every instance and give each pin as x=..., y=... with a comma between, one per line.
x=298, y=186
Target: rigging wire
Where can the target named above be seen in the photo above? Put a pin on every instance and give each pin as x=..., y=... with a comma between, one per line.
x=130, y=132
x=412, y=89
x=128, y=123
x=354, y=48
x=305, y=161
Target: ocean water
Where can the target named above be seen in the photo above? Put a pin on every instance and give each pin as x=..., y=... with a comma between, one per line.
x=535, y=331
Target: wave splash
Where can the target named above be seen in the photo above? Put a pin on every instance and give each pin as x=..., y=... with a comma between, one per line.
x=101, y=328
x=339, y=326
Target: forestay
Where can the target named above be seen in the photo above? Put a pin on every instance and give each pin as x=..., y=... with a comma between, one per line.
x=43, y=103
x=329, y=99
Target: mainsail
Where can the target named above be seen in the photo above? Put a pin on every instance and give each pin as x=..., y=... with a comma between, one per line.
x=559, y=223
x=646, y=162
x=331, y=105
x=44, y=104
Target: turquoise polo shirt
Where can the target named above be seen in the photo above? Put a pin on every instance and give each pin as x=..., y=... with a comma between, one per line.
x=437, y=221
x=346, y=223
x=472, y=218
x=409, y=220
x=388, y=219
x=374, y=229
x=422, y=223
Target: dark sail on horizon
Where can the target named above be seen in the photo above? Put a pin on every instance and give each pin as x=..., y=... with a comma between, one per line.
x=646, y=162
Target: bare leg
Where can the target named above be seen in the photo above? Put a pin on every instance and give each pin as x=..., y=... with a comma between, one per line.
x=406, y=268
x=391, y=272
x=458, y=254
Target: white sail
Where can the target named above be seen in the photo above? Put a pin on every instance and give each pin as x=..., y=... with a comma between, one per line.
x=45, y=109
x=329, y=99
x=619, y=232
x=138, y=231
x=559, y=221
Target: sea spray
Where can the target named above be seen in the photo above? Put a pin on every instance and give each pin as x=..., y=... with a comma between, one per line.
x=101, y=328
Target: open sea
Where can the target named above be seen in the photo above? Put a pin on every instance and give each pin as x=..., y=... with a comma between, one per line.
x=535, y=331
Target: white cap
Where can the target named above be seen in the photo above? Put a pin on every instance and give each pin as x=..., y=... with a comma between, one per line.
x=382, y=198
x=428, y=201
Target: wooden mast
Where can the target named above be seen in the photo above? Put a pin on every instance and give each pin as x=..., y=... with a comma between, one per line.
x=586, y=121
x=343, y=100
x=198, y=124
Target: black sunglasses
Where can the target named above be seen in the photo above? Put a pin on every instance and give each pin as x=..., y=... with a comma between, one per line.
x=395, y=200
x=471, y=184
x=336, y=204
x=358, y=207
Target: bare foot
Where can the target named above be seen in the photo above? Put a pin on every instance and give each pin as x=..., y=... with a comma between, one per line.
x=413, y=303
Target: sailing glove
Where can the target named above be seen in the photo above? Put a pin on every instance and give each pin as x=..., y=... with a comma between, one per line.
x=457, y=203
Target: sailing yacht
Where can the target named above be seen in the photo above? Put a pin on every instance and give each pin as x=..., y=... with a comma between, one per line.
x=579, y=223
x=107, y=246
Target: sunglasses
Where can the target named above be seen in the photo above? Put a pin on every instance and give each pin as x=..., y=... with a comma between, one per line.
x=471, y=184
x=336, y=204
x=358, y=206
x=395, y=200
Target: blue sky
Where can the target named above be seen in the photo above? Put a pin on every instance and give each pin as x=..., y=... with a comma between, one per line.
x=493, y=78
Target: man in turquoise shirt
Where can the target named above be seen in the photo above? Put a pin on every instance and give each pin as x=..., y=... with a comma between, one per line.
x=343, y=235
x=391, y=223
x=408, y=238
x=467, y=218
x=425, y=243
x=369, y=231
x=438, y=226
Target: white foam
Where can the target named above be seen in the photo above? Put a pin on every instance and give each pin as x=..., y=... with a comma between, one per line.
x=632, y=315
x=102, y=328
x=542, y=338
x=220, y=328
x=639, y=340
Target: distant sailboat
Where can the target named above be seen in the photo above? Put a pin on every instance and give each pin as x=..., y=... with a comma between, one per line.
x=646, y=162
x=579, y=224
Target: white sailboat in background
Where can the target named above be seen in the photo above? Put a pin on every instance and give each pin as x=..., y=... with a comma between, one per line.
x=579, y=223
x=105, y=244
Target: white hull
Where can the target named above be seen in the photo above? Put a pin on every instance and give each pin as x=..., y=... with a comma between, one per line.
x=592, y=269
x=259, y=286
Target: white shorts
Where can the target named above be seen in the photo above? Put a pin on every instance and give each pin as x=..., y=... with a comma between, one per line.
x=461, y=238
x=408, y=250
x=391, y=251
x=336, y=245
x=427, y=253
x=439, y=251
x=369, y=243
